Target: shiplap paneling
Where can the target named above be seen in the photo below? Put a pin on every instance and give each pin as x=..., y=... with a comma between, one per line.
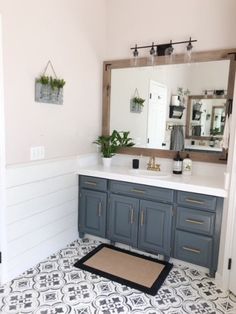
x=25, y=226
x=40, y=235
x=37, y=205
x=40, y=252
x=42, y=210
x=31, y=190
x=26, y=173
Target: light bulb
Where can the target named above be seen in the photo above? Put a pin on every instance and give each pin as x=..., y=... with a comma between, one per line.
x=134, y=60
x=151, y=58
x=188, y=54
x=169, y=57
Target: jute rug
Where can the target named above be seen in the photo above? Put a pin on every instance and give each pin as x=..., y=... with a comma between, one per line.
x=128, y=268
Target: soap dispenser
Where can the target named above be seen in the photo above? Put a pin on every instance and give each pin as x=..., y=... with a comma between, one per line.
x=187, y=165
x=177, y=165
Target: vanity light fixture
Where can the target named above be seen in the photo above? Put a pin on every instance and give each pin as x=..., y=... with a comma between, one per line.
x=152, y=54
x=189, y=50
x=215, y=92
x=169, y=53
x=134, y=61
x=166, y=49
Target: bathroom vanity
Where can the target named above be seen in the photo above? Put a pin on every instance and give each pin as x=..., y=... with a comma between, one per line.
x=174, y=216
x=161, y=216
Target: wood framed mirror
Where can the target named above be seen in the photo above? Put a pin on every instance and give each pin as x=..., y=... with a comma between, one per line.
x=206, y=116
x=173, y=85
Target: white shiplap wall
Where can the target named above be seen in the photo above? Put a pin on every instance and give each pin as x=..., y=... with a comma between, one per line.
x=42, y=210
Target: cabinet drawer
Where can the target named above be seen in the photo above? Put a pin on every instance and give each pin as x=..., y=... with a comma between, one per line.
x=93, y=183
x=196, y=249
x=195, y=200
x=142, y=191
x=195, y=220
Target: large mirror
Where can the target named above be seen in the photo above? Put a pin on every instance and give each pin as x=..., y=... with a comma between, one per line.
x=170, y=107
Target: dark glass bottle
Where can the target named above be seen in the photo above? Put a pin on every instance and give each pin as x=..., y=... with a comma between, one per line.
x=178, y=164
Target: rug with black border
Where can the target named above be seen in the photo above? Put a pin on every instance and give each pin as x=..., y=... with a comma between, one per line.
x=131, y=269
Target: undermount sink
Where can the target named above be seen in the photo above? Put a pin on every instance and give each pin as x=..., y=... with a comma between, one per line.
x=150, y=173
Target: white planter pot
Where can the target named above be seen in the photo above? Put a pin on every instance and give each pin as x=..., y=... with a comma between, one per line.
x=106, y=162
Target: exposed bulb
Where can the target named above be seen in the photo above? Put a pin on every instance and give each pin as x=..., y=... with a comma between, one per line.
x=151, y=58
x=134, y=60
x=188, y=54
x=169, y=57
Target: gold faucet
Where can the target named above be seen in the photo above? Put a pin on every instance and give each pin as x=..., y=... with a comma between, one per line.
x=152, y=165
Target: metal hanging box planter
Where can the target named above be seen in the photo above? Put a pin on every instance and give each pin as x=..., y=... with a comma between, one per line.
x=136, y=103
x=135, y=107
x=46, y=94
x=46, y=91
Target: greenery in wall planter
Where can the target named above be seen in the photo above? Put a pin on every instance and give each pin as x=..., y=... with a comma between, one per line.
x=49, y=89
x=110, y=144
x=54, y=83
x=136, y=103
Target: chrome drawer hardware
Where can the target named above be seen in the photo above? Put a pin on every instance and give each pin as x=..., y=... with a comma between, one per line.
x=100, y=209
x=190, y=200
x=138, y=191
x=196, y=222
x=191, y=250
x=132, y=216
x=142, y=217
x=90, y=183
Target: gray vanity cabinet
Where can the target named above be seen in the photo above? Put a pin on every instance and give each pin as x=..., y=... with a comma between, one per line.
x=123, y=215
x=197, y=232
x=177, y=224
x=142, y=224
x=92, y=206
x=155, y=227
x=139, y=216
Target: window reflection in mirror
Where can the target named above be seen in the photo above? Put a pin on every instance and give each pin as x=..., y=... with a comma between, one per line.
x=152, y=125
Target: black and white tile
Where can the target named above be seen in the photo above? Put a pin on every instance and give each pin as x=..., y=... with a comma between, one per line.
x=56, y=286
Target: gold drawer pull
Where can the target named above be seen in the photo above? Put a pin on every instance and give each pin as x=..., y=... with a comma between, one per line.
x=132, y=216
x=142, y=217
x=90, y=183
x=100, y=209
x=196, y=222
x=190, y=200
x=191, y=250
x=138, y=191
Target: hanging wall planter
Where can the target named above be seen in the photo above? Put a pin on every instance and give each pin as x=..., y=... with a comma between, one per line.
x=136, y=103
x=49, y=89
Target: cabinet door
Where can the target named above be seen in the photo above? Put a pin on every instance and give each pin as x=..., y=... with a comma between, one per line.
x=123, y=219
x=155, y=227
x=92, y=212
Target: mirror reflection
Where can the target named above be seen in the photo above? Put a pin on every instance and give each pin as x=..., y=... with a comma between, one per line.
x=207, y=116
x=167, y=106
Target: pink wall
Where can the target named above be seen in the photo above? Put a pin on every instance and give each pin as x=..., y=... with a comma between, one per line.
x=211, y=22
x=72, y=34
x=77, y=35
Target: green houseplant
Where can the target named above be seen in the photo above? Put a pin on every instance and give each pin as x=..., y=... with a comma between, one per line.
x=109, y=144
x=138, y=101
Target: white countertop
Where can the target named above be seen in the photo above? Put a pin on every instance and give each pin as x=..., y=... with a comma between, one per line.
x=209, y=185
x=203, y=147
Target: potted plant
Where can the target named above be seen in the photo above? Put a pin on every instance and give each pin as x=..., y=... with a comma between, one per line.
x=111, y=143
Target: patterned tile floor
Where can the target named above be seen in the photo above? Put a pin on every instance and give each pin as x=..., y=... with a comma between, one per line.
x=55, y=286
